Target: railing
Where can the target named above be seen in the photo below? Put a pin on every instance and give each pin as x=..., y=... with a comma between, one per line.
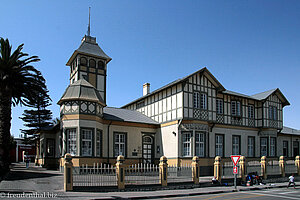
x=98, y=175
x=140, y=174
x=148, y=174
x=273, y=167
x=227, y=170
x=290, y=167
x=253, y=167
x=179, y=173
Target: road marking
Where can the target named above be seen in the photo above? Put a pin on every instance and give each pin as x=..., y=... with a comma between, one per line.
x=245, y=197
x=217, y=196
x=288, y=192
x=284, y=197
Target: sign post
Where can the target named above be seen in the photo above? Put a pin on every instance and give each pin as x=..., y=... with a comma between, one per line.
x=235, y=159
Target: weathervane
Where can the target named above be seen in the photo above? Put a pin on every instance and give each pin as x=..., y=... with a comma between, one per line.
x=89, y=26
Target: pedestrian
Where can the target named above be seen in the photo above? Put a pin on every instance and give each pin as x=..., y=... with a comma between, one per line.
x=27, y=160
x=292, y=181
x=214, y=181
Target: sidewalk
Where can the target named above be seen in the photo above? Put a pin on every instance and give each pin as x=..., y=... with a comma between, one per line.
x=38, y=181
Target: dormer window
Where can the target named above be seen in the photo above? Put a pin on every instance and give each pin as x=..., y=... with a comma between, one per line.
x=92, y=63
x=83, y=61
x=235, y=108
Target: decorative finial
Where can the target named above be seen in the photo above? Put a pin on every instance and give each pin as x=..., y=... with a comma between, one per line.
x=89, y=26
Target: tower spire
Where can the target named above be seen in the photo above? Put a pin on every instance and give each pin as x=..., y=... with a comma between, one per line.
x=89, y=26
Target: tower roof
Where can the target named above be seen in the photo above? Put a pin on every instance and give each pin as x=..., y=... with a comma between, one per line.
x=81, y=90
x=89, y=47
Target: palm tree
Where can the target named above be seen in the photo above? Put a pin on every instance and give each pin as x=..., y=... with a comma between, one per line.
x=20, y=83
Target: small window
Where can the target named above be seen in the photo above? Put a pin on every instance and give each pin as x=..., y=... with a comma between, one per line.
x=140, y=104
x=219, y=106
x=50, y=147
x=251, y=111
x=235, y=145
x=120, y=144
x=83, y=61
x=186, y=141
x=199, y=141
x=272, y=146
x=296, y=148
x=263, y=146
x=285, y=149
x=251, y=146
x=71, y=141
x=272, y=113
x=98, y=143
x=86, y=142
x=196, y=100
x=92, y=63
x=219, y=145
x=200, y=100
x=101, y=64
x=235, y=108
x=203, y=101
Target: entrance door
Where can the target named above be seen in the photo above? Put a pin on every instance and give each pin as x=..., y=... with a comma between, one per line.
x=147, y=149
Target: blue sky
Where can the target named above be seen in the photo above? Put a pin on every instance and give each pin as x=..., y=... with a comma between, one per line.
x=249, y=46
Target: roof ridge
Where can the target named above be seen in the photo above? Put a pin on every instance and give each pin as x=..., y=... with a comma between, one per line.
x=264, y=91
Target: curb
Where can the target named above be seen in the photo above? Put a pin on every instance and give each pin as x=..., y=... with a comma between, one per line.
x=193, y=194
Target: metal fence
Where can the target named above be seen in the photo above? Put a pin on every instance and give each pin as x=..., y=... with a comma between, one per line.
x=177, y=174
x=141, y=173
x=253, y=167
x=290, y=167
x=98, y=175
x=273, y=167
x=227, y=170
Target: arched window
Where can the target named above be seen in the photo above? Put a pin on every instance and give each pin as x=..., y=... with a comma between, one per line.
x=147, y=140
x=92, y=63
x=83, y=61
x=101, y=64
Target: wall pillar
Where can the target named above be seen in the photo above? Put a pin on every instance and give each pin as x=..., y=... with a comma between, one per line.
x=195, y=169
x=242, y=163
x=263, y=165
x=217, y=168
x=282, y=165
x=297, y=163
x=120, y=172
x=163, y=171
x=68, y=173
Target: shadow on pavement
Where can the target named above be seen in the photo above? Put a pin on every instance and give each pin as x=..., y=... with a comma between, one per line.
x=22, y=175
x=19, y=172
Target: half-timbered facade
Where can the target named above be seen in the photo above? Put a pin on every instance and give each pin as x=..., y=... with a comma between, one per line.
x=192, y=116
x=198, y=116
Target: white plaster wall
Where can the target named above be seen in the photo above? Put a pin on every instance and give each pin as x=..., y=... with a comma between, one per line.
x=134, y=138
x=170, y=141
x=228, y=133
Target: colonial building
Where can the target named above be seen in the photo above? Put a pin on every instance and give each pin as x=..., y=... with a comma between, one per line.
x=192, y=116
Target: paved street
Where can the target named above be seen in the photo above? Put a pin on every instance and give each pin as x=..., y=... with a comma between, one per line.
x=271, y=194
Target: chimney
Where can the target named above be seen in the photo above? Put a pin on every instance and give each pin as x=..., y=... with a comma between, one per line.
x=146, y=89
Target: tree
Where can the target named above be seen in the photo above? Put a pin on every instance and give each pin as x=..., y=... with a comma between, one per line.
x=39, y=117
x=20, y=83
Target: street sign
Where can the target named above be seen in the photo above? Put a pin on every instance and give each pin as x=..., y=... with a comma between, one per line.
x=235, y=159
x=235, y=170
